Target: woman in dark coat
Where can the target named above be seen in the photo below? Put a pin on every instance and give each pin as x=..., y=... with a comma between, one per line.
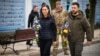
x=33, y=14
x=47, y=32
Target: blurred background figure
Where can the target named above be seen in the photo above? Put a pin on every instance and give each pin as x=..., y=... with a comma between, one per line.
x=87, y=11
x=43, y=4
x=33, y=14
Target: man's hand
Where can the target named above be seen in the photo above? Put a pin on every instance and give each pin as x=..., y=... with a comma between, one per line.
x=89, y=43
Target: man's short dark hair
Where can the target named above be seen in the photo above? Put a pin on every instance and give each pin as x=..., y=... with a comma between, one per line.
x=76, y=3
x=87, y=4
x=43, y=4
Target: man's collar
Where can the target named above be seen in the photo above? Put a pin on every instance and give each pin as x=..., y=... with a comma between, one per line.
x=58, y=10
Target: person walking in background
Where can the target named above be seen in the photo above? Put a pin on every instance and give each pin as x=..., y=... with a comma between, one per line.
x=43, y=4
x=87, y=11
x=78, y=26
x=33, y=14
x=47, y=32
x=60, y=15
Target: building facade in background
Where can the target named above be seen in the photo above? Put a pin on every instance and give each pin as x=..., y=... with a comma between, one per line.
x=14, y=13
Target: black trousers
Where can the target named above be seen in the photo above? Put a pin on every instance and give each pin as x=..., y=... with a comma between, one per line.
x=45, y=45
x=76, y=48
x=28, y=42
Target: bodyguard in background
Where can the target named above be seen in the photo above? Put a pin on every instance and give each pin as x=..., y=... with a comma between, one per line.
x=60, y=15
x=33, y=14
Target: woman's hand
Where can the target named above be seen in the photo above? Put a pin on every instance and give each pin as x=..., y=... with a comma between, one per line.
x=54, y=43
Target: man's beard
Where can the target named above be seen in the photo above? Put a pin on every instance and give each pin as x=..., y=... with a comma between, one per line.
x=74, y=13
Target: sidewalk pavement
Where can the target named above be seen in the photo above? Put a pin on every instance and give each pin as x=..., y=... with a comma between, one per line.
x=95, y=40
x=92, y=50
x=21, y=47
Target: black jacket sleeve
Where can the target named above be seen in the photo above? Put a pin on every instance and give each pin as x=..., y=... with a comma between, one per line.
x=29, y=20
x=87, y=13
x=38, y=16
x=54, y=29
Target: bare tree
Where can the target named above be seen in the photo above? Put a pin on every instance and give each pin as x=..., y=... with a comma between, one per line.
x=92, y=14
x=53, y=3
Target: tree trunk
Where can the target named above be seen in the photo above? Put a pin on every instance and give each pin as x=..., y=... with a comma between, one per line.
x=92, y=14
x=53, y=3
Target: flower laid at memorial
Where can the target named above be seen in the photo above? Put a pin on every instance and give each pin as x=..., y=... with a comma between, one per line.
x=65, y=30
x=36, y=27
x=36, y=24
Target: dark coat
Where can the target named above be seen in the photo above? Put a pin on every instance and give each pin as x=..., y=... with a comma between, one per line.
x=87, y=11
x=31, y=18
x=48, y=28
x=78, y=26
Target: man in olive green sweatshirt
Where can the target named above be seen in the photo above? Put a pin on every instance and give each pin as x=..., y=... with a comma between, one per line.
x=78, y=26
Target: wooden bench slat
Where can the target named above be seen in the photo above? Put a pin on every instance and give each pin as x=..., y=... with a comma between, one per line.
x=24, y=34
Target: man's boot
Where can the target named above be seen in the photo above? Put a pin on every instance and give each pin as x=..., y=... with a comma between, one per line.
x=66, y=51
x=55, y=51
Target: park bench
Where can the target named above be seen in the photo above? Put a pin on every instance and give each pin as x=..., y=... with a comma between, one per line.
x=17, y=36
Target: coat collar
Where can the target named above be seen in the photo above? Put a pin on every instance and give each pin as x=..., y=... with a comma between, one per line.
x=79, y=16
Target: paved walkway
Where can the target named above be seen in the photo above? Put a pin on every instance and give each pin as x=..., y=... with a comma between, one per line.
x=34, y=50
x=22, y=49
x=92, y=50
